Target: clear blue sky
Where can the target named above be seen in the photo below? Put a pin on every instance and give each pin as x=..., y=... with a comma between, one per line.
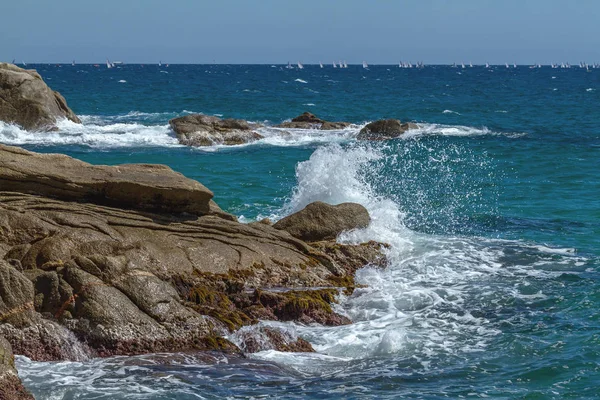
x=278, y=31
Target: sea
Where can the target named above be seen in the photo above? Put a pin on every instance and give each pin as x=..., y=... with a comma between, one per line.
x=491, y=209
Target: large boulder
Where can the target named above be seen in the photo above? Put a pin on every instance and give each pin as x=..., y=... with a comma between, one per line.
x=81, y=275
x=205, y=130
x=384, y=129
x=310, y=121
x=138, y=186
x=27, y=101
x=322, y=221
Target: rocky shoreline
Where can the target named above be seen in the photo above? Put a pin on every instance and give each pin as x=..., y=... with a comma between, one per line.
x=98, y=261
x=137, y=259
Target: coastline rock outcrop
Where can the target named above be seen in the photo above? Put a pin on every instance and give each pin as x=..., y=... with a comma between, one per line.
x=310, y=121
x=11, y=387
x=384, y=129
x=27, y=101
x=137, y=186
x=321, y=221
x=99, y=261
x=206, y=130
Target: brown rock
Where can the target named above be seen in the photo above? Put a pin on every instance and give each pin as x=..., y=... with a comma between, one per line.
x=205, y=130
x=81, y=277
x=384, y=129
x=138, y=186
x=310, y=121
x=264, y=338
x=27, y=101
x=322, y=221
x=11, y=387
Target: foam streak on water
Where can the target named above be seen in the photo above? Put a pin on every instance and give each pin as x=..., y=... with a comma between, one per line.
x=140, y=130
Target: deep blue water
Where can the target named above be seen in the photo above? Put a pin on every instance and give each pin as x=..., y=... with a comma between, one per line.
x=492, y=209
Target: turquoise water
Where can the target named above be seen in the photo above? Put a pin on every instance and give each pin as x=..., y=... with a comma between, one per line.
x=491, y=208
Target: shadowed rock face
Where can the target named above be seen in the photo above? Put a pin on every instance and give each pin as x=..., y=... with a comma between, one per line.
x=27, y=101
x=322, y=221
x=205, y=130
x=384, y=129
x=310, y=121
x=80, y=276
x=11, y=387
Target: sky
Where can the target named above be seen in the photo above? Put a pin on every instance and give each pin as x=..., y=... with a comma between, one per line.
x=307, y=31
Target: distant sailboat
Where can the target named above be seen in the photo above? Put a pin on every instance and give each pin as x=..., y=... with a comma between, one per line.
x=365, y=65
x=487, y=65
x=24, y=63
x=462, y=65
x=300, y=66
x=160, y=63
x=507, y=65
x=334, y=65
x=470, y=65
x=108, y=64
x=73, y=63
x=514, y=65
x=345, y=65
x=320, y=64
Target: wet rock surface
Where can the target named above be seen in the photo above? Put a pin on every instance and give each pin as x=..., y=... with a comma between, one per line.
x=310, y=121
x=11, y=387
x=385, y=129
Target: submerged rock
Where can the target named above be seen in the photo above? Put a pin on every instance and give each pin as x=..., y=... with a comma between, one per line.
x=261, y=338
x=205, y=130
x=27, y=101
x=322, y=221
x=310, y=121
x=137, y=259
x=384, y=129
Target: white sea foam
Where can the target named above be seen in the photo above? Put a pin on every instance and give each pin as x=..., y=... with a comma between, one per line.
x=143, y=129
x=93, y=135
x=450, y=112
x=432, y=299
x=122, y=81
x=300, y=80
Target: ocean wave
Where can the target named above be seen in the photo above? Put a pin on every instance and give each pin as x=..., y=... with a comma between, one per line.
x=143, y=129
x=92, y=135
x=431, y=301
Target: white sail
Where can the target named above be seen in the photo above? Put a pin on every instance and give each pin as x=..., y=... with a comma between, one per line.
x=334, y=66
x=108, y=64
x=345, y=64
x=320, y=64
x=300, y=66
x=365, y=65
